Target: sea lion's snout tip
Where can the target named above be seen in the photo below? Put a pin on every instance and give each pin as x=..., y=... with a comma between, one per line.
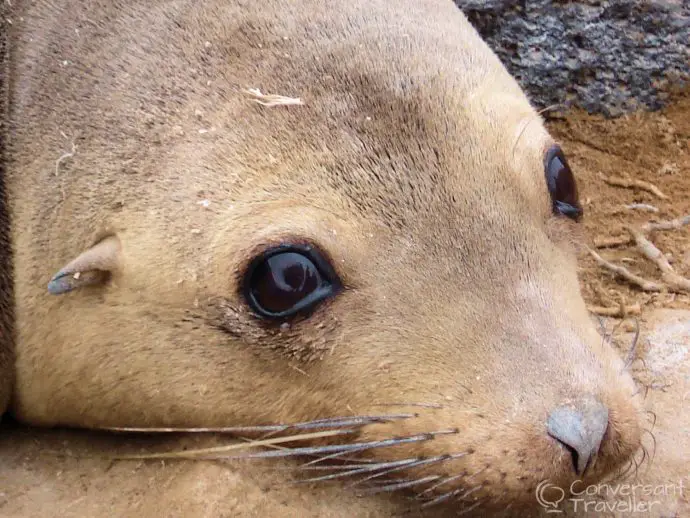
x=580, y=426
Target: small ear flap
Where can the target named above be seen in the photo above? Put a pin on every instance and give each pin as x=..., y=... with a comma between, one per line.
x=94, y=266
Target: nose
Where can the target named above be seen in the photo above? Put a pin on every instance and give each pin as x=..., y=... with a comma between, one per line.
x=580, y=426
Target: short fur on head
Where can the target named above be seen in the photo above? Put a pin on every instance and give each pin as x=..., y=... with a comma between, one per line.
x=6, y=293
x=413, y=160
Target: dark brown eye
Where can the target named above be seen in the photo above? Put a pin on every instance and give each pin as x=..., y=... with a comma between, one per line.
x=287, y=280
x=561, y=183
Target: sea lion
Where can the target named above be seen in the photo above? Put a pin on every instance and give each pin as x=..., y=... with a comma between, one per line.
x=283, y=212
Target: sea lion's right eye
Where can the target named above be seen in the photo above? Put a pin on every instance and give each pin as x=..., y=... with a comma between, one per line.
x=287, y=280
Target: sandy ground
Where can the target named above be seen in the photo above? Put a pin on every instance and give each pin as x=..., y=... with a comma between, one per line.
x=41, y=473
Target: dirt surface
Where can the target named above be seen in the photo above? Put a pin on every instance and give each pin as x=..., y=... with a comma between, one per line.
x=35, y=481
x=652, y=147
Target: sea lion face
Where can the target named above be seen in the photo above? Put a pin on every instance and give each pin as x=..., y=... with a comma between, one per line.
x=451, y=293
x=412, y=195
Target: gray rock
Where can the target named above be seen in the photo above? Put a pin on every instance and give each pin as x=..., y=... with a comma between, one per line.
x=607, y=57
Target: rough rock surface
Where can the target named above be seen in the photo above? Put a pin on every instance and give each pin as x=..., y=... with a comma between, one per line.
x=607, y=57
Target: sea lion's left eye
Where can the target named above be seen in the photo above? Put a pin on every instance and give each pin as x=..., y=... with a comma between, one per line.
x=561, y=184
x=287, y=280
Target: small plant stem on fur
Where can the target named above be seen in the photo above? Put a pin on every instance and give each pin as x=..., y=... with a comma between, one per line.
x=271, y=100
x=216, y=451
x=64, y=157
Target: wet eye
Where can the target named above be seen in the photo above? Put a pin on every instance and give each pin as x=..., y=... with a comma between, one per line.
x=561, y=183
x=287, y=280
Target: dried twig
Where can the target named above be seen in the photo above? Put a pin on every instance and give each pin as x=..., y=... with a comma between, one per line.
x=610, y=242
x=673, y=224
x=674, y=281
x=624, y=273
x=634, y=184
x=646, y=207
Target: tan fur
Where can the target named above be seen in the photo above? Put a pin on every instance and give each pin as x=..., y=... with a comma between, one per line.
x=409, y=162
x=6, y=292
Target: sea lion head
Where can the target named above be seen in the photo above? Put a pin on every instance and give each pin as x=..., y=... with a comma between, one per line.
x=393, y=234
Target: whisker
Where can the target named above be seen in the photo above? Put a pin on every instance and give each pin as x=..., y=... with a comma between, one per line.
x=332, y=467
x=451, y=494
x=354, y=460
x=624, y=470
x=423, y=405
x=479, y=471
x=646, y=388
x=334, y=456
x=348, y=448
x=470, y=508
x=348, y=460
x=339, y=422
x=335, y=422
x=529, y=121
x=653, y=443
x=353, y=472
x=385, y=482
x=469, y=492
x=316, y=450
x=438, y=500
x=447, y=480
x=633, y=348
x=643, y=455
x=637, y=466
x=413, y=464
x=602, y=326
x=388, y=442
x=400, y=485
x=371, y=478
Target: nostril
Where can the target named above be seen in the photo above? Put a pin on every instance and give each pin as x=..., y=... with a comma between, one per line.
x=580, y=426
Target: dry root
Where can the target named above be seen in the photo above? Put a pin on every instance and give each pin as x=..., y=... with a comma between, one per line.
x=645, y=207
x=675, y=282
x=624, y=273
x=635, y=184
x=673, y=224
x=611, y=242
x=671, y=280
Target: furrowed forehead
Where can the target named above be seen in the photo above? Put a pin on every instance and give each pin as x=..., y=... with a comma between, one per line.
x=420, y=163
